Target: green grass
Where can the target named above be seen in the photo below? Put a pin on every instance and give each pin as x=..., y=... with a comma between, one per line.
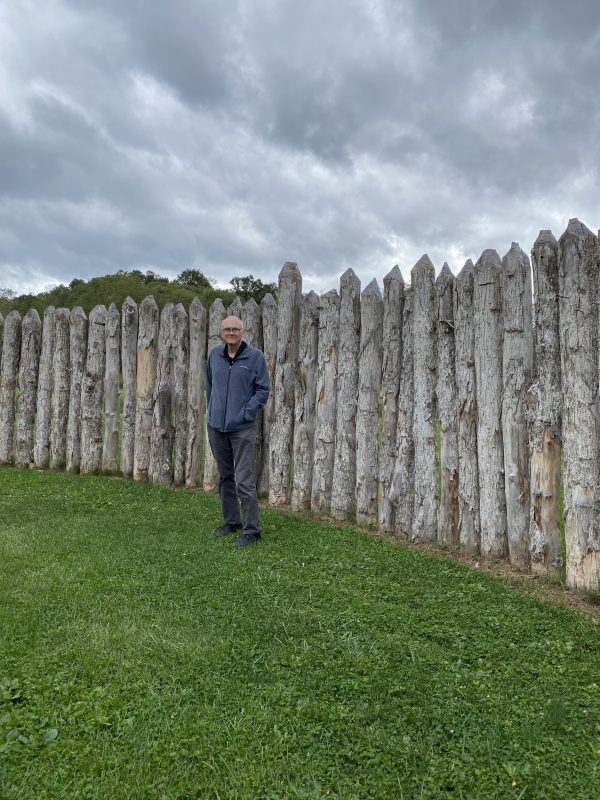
x=142, y=658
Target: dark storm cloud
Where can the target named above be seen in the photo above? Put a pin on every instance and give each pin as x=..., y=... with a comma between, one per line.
x=238, y=135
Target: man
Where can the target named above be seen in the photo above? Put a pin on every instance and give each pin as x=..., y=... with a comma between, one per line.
x=237, y=387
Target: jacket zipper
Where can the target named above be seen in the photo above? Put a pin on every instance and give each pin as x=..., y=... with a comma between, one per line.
x=226, y=396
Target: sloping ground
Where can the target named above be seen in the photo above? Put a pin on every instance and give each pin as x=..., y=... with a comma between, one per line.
x=142, y=658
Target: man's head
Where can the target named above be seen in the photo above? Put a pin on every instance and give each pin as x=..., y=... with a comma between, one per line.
x=232, y=331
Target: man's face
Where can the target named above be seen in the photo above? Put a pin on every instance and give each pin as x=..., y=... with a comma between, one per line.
x=232, y=330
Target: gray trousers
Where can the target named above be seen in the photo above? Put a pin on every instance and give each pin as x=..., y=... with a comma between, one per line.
x=235, y=454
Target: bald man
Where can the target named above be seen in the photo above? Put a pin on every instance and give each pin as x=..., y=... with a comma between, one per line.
x=237, y=387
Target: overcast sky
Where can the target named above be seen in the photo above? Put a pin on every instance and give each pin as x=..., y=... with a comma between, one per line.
x=233, y=136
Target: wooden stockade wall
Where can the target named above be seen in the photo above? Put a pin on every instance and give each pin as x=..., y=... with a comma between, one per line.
x=443, y=410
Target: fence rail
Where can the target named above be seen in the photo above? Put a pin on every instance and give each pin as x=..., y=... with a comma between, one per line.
x=440, y=410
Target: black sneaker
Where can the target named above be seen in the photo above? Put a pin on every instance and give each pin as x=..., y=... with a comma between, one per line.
x=224, y=531
x=247, y=539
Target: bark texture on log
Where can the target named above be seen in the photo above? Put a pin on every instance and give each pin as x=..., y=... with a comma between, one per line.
x=216, y=315
x=61, y=381
x=517, y=356
x=488, y=329
x=326, y=402
x=235, y=309
x=403, y=479
x=161, y=450
x=578, y=303
x=196, y=386
x=29, y=364
x=468, y=470
x=11, y=348
x=92, y=392
x=305, y=400
x=147, y=350
x=1, y=337
x=41, y=450
x=112, y=371
x=282, y=432
x=343, y=491
x=269, y=322
x=393, y=305
x=181, y=345
x=545, y=405
x=78, y=334
x=129, y=337
x=424, y=420
x=253, y=335
x=447, y=409
x=367, y=413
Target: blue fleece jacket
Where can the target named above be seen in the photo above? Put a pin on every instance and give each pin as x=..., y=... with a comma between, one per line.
x=235, y=391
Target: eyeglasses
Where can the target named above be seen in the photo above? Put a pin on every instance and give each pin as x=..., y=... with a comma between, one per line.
x=230, y=330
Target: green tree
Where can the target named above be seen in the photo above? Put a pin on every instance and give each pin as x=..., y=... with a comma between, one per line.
x=195, y=278
x=249, y=286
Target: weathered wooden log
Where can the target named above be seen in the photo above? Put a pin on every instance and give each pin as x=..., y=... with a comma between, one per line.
x=1, y=337
x=578, y=309
x=29, y=364
x=517, y=361
x=163, y=432
x=403, y=479
x=268, y=309
x=545, y=407
x=282, y=432
x=253, y=335
x=393, y=305
x=488, y=328
x=112, y=372
x=305, y=401
x=92, y=392
x=41, y=449
x=181, y=348
x=367, y=411
x=147, y=349
x=129, y=337
x=326, y=402
x=61, y=382
x=196, y=387
x=424, y=418
x=447, y=409
x=343, y=491
x=216, y=315
x=468, y=471
x=78, y=335
x=235, y=309
x=11, y=347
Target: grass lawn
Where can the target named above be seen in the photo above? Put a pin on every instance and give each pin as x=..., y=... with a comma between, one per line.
x=142, y=658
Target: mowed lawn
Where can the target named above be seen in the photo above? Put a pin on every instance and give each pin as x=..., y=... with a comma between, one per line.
x=142, y=658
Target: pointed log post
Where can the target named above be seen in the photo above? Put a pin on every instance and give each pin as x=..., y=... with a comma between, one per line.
x=61, y=381
x=446, y=399
x=11, y=347
x=268, y=309
x=517, y=358
x=180, y=377
x=196, y=386
x=393, y=306
x=78, y=334
x=129, y=337
x=235, y=309
x=1, y=337
x=305, y=399
x=578, y=308
x=343, y=491
x=216, y=315
x=488, y=329
x=112, y=372
x=468, y=471
x=253, y=335
x=424, y=419
x=147, y=348
x=545, y=401
x=367, y=412
x=41, y=450
x=403, y=480
x=282, y=432
x=326, y=402
x=31, y=340
x=92, y=392
x=161, y=450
